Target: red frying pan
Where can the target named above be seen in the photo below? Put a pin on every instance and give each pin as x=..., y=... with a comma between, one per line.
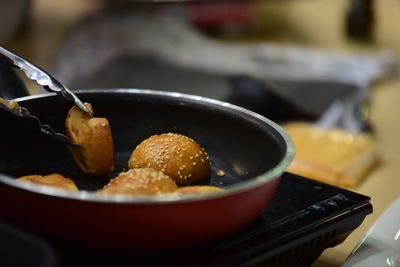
x=252, y=150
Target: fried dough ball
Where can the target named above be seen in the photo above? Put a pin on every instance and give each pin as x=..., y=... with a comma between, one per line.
x=198, y=189
x=178, y=156
x=143, y=181
x=55, y=180
x=95, y=154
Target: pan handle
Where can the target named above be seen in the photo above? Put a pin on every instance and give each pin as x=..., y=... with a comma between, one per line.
x=11, y=85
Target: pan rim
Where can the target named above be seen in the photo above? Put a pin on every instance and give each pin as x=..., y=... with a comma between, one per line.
x=255, y=182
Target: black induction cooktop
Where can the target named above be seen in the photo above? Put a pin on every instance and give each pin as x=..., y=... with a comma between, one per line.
x=304, y=218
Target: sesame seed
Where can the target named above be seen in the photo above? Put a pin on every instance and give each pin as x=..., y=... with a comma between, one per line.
x=220, y=173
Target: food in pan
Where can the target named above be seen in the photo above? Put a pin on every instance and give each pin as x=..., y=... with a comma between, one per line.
x=95, y=152
x=140, y=181
x=55, y=180
x=332, y=156
x=176, y=155
x=198, y=189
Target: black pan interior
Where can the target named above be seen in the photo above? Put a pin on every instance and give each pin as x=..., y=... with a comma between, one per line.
x=237, y=142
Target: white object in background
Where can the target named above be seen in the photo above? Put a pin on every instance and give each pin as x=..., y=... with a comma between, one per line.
x=381, y=244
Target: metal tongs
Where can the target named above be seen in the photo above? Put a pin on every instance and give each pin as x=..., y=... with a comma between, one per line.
x=35, y=73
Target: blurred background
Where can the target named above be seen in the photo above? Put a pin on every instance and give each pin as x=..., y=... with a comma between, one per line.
x=245, y=52
x=329, y=64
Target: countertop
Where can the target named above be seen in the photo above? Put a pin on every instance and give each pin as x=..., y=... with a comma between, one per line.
x=318, y=23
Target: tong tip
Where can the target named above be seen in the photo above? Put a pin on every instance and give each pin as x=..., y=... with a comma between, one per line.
x=84, y=108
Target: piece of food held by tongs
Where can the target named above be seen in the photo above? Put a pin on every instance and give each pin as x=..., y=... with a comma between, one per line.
x=95, y=151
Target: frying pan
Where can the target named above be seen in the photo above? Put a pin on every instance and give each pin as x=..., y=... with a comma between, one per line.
x=252, y=150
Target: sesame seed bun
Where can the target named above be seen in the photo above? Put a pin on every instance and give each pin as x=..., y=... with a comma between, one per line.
x=178, y=156
x=55, y=180
x=143, y=181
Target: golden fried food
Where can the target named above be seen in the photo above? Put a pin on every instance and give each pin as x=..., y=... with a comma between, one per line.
x=198, y=189
x=178, y=156
x=55, y=180
x=140, y=181
x=332, y=156
x=95, y=154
